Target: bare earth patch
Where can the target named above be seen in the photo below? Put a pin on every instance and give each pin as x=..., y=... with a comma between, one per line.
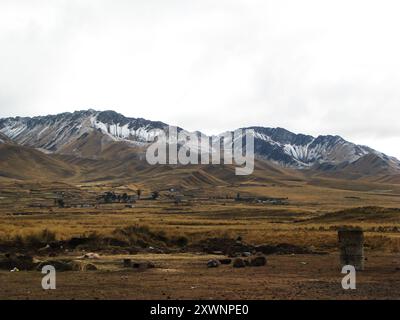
x=185, y=276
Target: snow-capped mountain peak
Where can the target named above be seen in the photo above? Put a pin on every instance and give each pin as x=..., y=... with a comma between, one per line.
x=68, y=132
x=52, y=132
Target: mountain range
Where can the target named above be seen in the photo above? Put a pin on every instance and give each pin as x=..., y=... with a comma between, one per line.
x=65, y=141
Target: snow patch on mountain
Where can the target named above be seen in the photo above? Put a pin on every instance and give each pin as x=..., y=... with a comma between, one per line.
x=55, y=131
x=68, y=131
x=304, y=151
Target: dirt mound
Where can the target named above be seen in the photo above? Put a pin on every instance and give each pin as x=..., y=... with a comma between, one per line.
x=59, y=265
x=134, y=238
x=226, y=246
x=143, y=237
x=19, y=261
x=284, y=248
x=28, y=263
x=67, y=265
x=258, y=261
x=236, y=248
x=131, y=239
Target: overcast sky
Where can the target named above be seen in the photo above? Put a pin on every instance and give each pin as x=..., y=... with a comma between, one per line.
x=315, y=67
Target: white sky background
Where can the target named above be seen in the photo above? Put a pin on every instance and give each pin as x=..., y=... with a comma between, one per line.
x=315, y=67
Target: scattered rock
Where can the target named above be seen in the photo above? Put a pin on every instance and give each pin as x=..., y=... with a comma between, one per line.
x=246, y=254
x=59, y=265
x=258, y=261
x=91, y=255
x=212, y=263
x=143, y=265
x=127, y=263
x=19, y=261
x=239, y=263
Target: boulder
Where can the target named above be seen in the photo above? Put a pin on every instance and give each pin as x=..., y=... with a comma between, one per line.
x=127, y=263
x=258, y=261
x=239, y=263
x=212, y=263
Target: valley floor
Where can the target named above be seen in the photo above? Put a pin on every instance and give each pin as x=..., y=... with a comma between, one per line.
x=309, y=218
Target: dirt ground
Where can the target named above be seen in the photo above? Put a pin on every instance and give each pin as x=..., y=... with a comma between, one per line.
x=185, y=276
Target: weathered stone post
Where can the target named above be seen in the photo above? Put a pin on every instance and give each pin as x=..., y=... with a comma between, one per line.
x=351, y=244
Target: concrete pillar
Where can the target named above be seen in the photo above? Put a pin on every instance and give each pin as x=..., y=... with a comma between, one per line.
x=351, y=244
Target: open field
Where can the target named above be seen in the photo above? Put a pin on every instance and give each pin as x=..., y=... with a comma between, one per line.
x=308, y=220
x=185, y=276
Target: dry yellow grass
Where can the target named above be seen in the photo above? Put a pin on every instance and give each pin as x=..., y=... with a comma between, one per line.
x=304, y=221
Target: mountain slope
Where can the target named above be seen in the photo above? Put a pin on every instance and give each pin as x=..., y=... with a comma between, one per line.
x=369, y=167
x=302, y=151
x=4, y=138
x=18, y=162
x=55, y=132
x=109, y=135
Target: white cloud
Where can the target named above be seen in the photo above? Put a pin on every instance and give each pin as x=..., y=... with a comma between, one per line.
x=310, y=66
